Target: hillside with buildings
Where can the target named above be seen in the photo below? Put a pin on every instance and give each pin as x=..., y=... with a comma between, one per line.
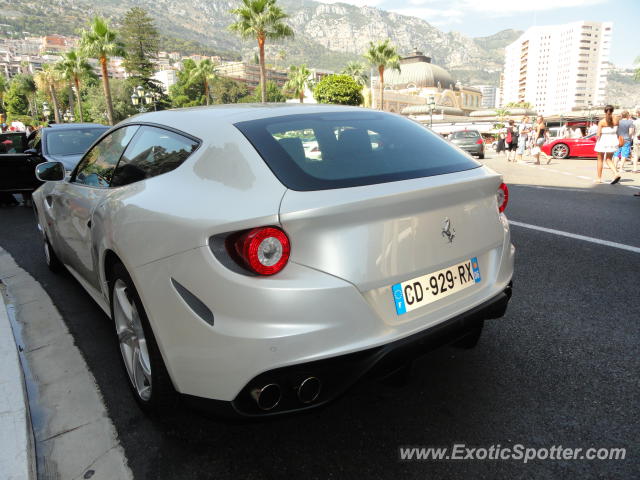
x=327, y=36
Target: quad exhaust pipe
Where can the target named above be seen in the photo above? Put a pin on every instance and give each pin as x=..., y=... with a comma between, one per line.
x=268, y=397
x=309, y=389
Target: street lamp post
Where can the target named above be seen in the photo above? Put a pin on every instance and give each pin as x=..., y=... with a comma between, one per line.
x=589, y=105
x=139, y=99
x=68, y=116
x=432, y=104
x=46, y=111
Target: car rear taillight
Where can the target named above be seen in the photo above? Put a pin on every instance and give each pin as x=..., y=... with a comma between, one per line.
x=479, y=141
x=263, y=250
x=502, y=196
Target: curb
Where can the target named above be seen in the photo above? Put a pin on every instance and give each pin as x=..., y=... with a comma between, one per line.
x=17, y=452
x=73, y=437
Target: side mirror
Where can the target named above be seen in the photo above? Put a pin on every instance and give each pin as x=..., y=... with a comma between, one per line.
x=50, y=172
x=30, y=151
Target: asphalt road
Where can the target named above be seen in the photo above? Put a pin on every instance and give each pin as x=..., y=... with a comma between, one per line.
x=561, y=368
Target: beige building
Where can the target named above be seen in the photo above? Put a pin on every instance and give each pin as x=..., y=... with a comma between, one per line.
x=250, y=74
x=420, y=83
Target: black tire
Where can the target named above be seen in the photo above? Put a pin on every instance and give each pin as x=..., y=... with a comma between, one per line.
x=481, y=156
x=50, y=257
x=164, y=398
x=560, y=151
x=471, y=339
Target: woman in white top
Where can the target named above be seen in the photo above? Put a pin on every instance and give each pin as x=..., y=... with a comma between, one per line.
x=607, y=144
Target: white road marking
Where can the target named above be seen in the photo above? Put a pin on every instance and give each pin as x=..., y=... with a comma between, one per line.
x=598, y=241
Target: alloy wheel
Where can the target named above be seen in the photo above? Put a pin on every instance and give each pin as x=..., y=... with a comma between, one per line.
x=133, y=344
x=560, y=151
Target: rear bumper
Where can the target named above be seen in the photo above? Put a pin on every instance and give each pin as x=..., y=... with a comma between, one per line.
x=473, y=149
x=338, y=373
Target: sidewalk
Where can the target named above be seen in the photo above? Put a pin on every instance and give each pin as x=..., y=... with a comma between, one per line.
x=17, y=452
x=73, y=437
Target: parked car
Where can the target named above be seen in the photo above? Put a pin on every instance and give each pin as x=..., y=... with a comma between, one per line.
x=571, y=147
x=16, y=166
x=470, y=141
x=236, y=268
x=19, y=155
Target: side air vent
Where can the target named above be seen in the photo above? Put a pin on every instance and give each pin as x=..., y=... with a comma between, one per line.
x=194, y=303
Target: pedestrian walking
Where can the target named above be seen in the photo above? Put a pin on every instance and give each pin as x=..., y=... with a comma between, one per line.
x=511, y=141
x=541, y=137
x=523, y=135
x=625, y=131
x=501, y=142
x=636, y=141
x=607, y=144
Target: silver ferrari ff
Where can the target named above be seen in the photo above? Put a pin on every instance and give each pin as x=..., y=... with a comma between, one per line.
x=261, y=259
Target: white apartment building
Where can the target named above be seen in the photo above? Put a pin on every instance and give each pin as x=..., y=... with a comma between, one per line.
x=489, y=95
x=166, y=78
x=558, y=68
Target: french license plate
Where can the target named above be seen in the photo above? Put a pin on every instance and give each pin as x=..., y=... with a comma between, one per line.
x=421, y=291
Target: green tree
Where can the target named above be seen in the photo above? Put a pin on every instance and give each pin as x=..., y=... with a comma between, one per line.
x=185, y=92
x=48, y=80
x=96, y=102
x=74, y=68
x=262, y=20
x=140, y=39
x=526, y=105
x=226, y=90
x=382, y=55
x=636, y=74
x=26, y=87
x=203, y=72
x=357, y=71
x=299, y=80
x=16, y=99
x=4, y=86
x=100, y=42
x=338, y=89
x=501, y=115
x=273, y=94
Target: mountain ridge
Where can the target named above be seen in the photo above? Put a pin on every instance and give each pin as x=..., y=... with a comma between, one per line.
x=327, y=35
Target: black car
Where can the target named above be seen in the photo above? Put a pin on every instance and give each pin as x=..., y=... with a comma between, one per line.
x=64, y=143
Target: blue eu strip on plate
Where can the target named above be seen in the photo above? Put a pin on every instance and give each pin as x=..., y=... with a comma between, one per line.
x=398, y=299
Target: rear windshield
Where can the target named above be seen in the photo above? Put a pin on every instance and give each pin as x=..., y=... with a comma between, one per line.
x=467, y=134
x=71, y=141
x=321, y=151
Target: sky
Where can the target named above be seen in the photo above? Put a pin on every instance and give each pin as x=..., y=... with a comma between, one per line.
x=479, y=18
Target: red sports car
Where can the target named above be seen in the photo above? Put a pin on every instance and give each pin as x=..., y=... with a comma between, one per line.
x=571, y=147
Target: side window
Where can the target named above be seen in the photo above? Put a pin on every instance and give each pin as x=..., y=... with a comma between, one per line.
x=152, y=152
x=96, y=167
x=34, y=140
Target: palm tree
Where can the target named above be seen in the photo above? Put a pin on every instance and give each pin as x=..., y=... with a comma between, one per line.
x=298, y=81
x=204, y=71
x=262, y=20
x=47, y=80
x=101, y=42
x=73, y=67
x=357, y=71
x=382, y=55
